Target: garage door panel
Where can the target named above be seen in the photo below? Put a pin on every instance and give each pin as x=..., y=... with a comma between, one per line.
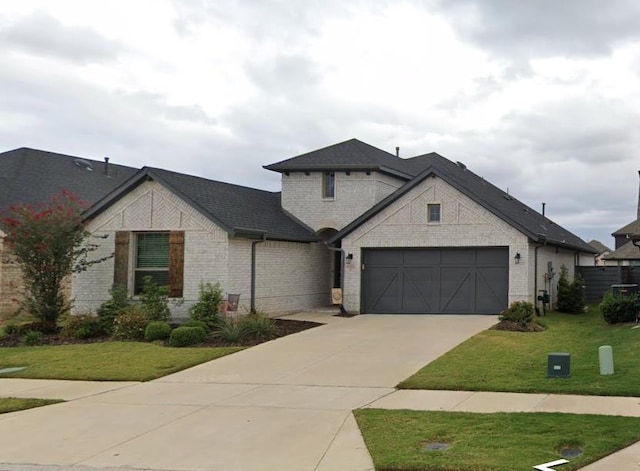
x=392, y=258
x=492, y=287
x=417, y=290
x=385, y=290
x=493, y=257
x=447, y=280
x=462, y=257
x=456, y=290
x=421, y=258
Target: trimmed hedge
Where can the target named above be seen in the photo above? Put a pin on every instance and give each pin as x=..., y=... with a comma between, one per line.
x=618, y=308
x=186, y=336
x=157, y=330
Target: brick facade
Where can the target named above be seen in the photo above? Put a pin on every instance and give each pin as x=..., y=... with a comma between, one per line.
x=11, y=285
x=464, y=223
x=355, y=193
x=290, y=276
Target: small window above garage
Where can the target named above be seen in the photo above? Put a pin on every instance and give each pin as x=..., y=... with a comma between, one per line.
x=433, y=213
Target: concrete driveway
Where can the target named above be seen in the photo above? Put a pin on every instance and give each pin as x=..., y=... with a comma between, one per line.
x=283, y=405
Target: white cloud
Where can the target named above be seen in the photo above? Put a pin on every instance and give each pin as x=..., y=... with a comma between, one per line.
x=540, y=97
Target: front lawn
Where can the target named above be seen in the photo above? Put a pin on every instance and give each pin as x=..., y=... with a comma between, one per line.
x=105, y=361
x=517, y=362
x=13, y=404
x=397, y=439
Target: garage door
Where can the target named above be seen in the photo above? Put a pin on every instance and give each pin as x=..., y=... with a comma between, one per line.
x=435, y=281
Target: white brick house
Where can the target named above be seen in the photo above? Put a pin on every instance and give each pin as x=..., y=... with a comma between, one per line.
x=424, y=235
x=417, y=235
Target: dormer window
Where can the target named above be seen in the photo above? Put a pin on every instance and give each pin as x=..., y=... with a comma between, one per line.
x=329, y=185
x=433, y=213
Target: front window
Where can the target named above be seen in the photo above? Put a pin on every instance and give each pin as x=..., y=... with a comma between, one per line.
x=328, y=185
x=152, y=259
x=433, y=213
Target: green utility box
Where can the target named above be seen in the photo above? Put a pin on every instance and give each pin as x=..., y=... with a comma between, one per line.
x=559, y=365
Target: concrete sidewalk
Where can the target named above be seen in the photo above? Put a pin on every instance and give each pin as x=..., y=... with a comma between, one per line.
x=283, y=405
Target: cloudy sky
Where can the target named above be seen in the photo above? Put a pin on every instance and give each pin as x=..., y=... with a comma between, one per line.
x=539, y=97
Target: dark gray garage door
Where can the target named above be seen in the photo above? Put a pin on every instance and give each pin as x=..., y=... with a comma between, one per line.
x=435, y=281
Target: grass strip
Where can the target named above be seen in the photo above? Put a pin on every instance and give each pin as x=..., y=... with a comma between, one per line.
x=13, y=404
x=517, y=361
x=107, y=361
x=397, y=439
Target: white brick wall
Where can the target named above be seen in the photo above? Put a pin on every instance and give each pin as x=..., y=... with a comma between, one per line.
x=354, y=194
x=463, y=223
x=290, y=276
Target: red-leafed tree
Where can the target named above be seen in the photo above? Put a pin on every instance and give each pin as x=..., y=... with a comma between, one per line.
x=48, y=242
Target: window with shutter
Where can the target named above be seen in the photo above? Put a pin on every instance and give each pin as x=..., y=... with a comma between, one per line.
x=151, y=259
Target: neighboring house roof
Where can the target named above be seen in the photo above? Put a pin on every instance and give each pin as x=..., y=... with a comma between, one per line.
x=599, y=246
x=528, y=221
x=626, y=252
x=351, y=155
x=241, y=211
x=631, y=228
x=31, y=176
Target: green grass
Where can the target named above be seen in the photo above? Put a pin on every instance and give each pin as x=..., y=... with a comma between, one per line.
x=489, y=442
x=108, y=361
x=13, y=404
x=517, y=362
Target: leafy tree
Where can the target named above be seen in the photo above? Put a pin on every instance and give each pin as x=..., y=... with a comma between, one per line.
x=47, y=243
x=570, y=294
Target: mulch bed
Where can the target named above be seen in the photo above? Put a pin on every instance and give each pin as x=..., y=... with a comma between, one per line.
x=517, y=327
x=283, y=327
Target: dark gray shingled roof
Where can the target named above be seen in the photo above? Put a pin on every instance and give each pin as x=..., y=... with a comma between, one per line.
x=241, y=211
x=599, y=246
x=627, y=252
x=31, y=176
x=351, y=155
x=523, y=218
x=629, y=229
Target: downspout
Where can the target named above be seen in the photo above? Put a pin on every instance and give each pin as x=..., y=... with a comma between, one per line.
x=342, y=265
x=253, y=272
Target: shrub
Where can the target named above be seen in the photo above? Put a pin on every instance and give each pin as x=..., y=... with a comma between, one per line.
x=157, y=330
x=32, y=337
x=570, y=294
x=155, y=300
x=186, y=336
x=618, y=308
x=82, y=327
x=259, y=326
x=520, y=312
x=206, y=309
x=232, y=329
x=108, y=311
x=130, y=323
x=196, y=324
x=11, y=329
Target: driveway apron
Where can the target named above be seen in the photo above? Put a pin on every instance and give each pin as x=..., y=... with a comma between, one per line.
x=282, y=405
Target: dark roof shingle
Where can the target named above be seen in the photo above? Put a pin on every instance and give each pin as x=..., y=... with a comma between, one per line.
x=525, y=219
x=350, y=155
x=31, y=176
x=237, y=209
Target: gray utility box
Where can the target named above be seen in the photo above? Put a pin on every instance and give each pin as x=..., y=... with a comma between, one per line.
x=559, y=365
